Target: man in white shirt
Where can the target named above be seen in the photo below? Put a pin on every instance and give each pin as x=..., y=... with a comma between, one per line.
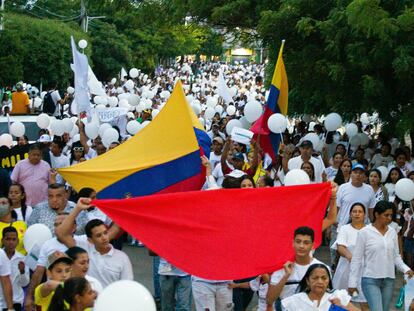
x=215, y=154
x=283, y=282
x=354, y=191
x=57, y=159
x=57, y=100
x=306, y=149
x=107, y=264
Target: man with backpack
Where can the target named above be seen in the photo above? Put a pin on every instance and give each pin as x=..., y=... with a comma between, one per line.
x=52, y=102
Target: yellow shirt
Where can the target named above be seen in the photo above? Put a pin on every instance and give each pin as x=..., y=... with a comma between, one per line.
x=20, y=103
x=42, y=303
x=21, y=227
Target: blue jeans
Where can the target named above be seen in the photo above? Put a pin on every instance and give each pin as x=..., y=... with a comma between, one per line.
x=378, y=293
x=156, y=277
x=175, y=293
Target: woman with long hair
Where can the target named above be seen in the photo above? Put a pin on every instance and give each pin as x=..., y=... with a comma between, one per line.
x=310, y=170
x=374, y=259
x=345, y=242
x=344, y=172
x=315, y=293
x=394, y=175
x=17, y=198
x=374, y=180
x=76, y=294
x=8, y=219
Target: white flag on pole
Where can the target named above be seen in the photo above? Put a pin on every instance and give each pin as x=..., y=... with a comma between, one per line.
x=95, y=87
x=80, y=69
x=223, y=89
x=123, y=74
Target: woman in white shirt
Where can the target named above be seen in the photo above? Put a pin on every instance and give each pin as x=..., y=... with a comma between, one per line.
x=17, y=198
x=394, y=175
x=374, y=257
x=315, y=293
x=346, y=240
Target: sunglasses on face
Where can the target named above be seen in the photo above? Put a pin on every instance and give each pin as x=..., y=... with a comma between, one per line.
x=77, y=148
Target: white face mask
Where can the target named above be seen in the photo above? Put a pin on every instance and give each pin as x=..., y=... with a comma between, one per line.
x=4, y=209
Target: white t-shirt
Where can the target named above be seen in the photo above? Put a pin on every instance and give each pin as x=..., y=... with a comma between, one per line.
x=95, y=284
x=18, y=280
x=5, y=270
x=296, y=163
x=56, y=97
x=59, y=162
x=301, y=301
x=391, y=191
x=19, y=213
x=292, y=283
x=214, y=159
x=51, y=246
x=261, y=289
x=107, y=268
x=379, y=160
x=348, y=195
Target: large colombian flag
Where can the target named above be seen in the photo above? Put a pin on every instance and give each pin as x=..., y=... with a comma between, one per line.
x=163, y=157
x=277, y=102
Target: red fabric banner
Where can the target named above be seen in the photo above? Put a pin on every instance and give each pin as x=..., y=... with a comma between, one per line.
x=223, y=234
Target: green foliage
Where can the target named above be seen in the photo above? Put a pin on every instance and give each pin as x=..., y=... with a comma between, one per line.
x=36, y=50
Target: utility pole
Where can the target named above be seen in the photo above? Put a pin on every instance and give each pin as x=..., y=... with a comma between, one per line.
x=84, y=18
x=1, y=14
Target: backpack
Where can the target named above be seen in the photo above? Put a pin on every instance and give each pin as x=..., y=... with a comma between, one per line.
x=49, y=106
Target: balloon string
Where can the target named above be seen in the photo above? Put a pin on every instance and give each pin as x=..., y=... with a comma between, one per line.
x=281, y=138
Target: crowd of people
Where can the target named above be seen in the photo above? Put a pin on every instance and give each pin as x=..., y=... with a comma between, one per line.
x=369, y=228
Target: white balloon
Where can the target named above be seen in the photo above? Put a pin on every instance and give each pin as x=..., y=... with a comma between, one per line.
x=231, y=124
x=296, y=177
x=384, y=172
x=113, y=81
x=70, y=90
x=306, y=118
x=231, y=110
x=17, y=129
x=97, y=100
x=196, y=108
x=190, y=98
x=92, y=130
x=209, y=113
x=36, y=234
x=67, y=125
x=123, y=103
x=277, y=123
x=103, y=127
x=104, y=101
x=154, y=113
x=133, y=99
x=351, y=129
x=100, y=107
x=133, y=127
x=219, y=109
x=165, y=94
x=364, y=118
x=125, y=295
x=314, y=138
x=129, y=84
x=311, y=126
x=37, y=102
x=74, y=131
x=6, y=140
x=83, y=44
x=57, y=127
x=252, y=111
x=133, y=73
x=124, y=96
x=112, y=101
x=333, y=121
x=109, y=136
x=364, y=139
x=404, y=189
x=355, y=141
x=145, y=123
x=140, y=107
x=74, y=119
x=43, y=121
x=76, y=138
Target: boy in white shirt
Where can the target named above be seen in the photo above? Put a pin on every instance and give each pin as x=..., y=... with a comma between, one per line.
x=19, y=272
x=283, y=283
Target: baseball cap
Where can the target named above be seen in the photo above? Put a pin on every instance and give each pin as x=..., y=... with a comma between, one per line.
x=238, y=156
x=44, y=139
x=236, y=174
x=57, y=257
x=147, y=111
x=219, y=140
x=306, y=144
x=357, y=166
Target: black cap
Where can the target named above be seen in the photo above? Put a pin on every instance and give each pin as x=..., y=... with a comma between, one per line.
x=306, y=143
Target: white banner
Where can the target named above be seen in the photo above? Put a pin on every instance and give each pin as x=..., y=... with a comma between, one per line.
x=108, y=114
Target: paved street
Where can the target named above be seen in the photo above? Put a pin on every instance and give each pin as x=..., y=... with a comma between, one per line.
x=142, y=264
